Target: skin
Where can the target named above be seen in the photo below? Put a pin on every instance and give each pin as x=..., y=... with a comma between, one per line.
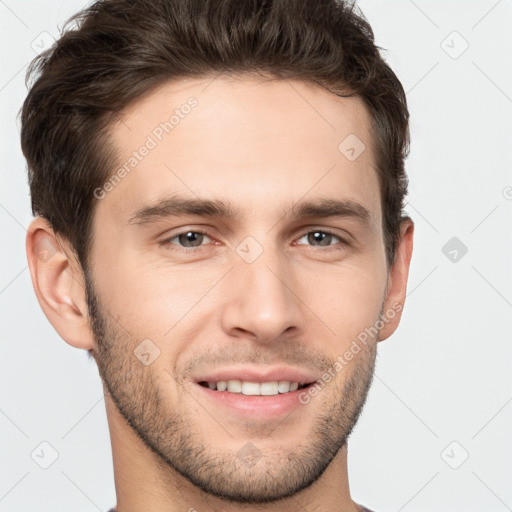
x=263, y=146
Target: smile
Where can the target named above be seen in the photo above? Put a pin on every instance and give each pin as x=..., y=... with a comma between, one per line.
x=254, y=388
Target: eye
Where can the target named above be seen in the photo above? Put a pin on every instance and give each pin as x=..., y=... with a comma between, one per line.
x=187, y=239
x=193, y=240
x=321, y=238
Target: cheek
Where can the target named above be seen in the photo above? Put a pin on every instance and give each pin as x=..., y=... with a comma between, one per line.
x=155, y=303
x=348, y=301
x=163, y=303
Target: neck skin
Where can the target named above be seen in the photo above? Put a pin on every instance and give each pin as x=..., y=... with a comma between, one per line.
x=143, y=482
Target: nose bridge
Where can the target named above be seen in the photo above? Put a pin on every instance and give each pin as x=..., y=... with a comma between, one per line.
x=260, y=298
x=268, y=275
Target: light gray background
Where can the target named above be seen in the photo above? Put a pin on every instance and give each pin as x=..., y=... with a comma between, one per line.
x=444, y=377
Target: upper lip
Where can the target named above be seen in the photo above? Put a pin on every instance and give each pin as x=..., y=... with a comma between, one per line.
x=254, y=374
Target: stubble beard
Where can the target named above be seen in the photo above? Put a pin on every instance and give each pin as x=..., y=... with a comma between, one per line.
x=179, y=444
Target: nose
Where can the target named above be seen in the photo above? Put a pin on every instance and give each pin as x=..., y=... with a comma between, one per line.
x=261, y=300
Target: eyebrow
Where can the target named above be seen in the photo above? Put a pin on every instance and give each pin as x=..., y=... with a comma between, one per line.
x=175, y=206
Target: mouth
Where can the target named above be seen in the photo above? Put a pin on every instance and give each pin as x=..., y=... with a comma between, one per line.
x=255, y=401
x=249, y=388
x=255, y=393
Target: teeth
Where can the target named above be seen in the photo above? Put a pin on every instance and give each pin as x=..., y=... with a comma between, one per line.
x=235, y=386
x=269, y=388
x=283, y=386
x=254, y=388
x=251, y=388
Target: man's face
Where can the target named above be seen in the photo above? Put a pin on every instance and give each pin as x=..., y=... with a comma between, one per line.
x=263, y=296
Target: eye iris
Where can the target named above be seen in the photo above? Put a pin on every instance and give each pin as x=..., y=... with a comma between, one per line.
x=318, y=236
x=195, y=239
x=191, y=236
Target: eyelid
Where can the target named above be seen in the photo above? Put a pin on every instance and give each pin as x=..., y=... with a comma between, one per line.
x=168, y=238
x=305, y=231
x=326, y=230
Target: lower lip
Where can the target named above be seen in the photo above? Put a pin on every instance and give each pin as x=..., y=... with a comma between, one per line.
x=254, y=406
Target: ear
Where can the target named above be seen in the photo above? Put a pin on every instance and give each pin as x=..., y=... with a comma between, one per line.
x=397, y=281
x=59, y=284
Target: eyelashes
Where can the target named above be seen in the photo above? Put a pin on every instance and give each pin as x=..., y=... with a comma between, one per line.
x=185, y=237
x=168, y=241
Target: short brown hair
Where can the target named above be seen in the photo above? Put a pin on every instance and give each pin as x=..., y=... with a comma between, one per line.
x=114, y=51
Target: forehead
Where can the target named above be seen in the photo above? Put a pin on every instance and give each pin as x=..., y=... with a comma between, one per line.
x=253, y=141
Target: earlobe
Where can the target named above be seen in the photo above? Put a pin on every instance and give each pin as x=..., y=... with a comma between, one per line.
x=397, y=281
x=59, y=285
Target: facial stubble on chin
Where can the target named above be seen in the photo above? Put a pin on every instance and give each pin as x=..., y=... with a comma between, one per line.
x=179, y=444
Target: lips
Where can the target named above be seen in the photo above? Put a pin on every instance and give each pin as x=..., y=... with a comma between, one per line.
x=258, y=375
x=255, y=393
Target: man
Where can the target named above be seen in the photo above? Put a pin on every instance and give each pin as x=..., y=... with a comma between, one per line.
x=218, y=190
